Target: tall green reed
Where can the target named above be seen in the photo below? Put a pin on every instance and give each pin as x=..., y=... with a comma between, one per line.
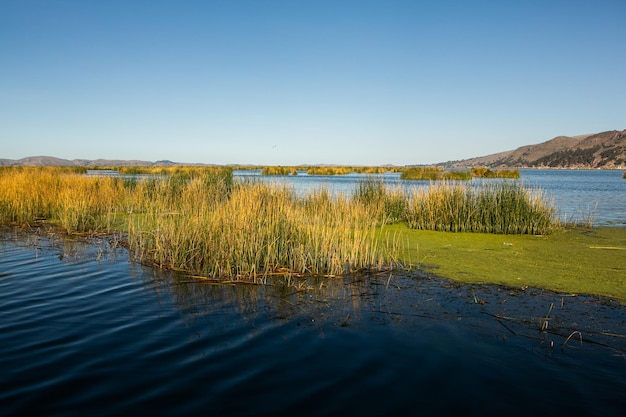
x=506, y=207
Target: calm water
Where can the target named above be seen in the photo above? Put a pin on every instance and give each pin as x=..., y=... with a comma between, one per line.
x=83, y=331
x=577, y=194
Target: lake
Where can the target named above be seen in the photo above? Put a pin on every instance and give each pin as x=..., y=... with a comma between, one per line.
x=85, y=331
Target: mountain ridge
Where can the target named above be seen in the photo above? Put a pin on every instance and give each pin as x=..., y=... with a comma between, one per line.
x=54, y=161
x=605, y=150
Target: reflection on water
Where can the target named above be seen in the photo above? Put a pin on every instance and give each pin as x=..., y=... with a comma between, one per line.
x=83, y=330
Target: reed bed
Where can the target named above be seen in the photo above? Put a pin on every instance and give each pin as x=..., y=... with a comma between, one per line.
x=201, y=221
x=61, y=196
x=204, y=223
x=257, y=231
x=386, y=204
x=437, y=173
x=279, y=170
x=329, y=170
x=503, y=207
x=434, y=174
x=321, y=170
x=506, y=207
x=482, y=172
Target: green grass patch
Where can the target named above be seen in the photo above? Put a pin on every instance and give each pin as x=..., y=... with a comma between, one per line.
x=572, y=260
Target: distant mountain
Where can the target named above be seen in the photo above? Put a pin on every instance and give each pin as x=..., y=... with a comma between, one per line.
x=52, y=161
x=605, y=150
x=601, y=150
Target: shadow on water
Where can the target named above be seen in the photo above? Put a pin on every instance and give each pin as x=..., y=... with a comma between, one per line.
x=84, y=330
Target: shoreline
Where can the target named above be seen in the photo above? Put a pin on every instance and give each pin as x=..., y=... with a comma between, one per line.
x=565, y=262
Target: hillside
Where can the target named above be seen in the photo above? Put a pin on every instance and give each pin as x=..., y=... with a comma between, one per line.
x=601, y=150
x=52, y=161
x=606, y=150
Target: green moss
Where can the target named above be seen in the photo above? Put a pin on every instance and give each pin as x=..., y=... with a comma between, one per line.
x=580, y=261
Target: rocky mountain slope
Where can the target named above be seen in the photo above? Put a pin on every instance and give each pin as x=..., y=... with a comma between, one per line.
x=601, y=150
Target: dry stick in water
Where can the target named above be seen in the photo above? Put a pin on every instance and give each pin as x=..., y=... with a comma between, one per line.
x=580, y=335
x=544, y=324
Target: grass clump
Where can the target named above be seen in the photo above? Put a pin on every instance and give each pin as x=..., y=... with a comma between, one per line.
x=434, y=174
x=386, y=205
x=502, y=208
x=202, y=222
x=329, y=170
x=64, y=197
x=482, y=172
x=279, y=170
x=257, y=231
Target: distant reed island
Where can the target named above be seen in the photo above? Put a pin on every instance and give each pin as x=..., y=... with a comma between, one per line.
x=407, y=173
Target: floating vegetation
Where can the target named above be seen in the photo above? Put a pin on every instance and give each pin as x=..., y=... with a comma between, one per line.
x=438, y=174
x=482, y=172
x=329, y=170
x=279, y=170
x=434, y=174
x=322, y=170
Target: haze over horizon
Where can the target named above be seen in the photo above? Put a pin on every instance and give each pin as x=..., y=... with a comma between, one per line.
x=354, y=82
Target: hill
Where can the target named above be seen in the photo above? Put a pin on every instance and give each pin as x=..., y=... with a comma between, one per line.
x=601, y=150
x=606, y=150
x=52, y=161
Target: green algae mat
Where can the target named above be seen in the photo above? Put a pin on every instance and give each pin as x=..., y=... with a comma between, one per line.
x=573, y=260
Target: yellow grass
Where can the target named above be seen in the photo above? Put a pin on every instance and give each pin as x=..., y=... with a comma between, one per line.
x=199, y=221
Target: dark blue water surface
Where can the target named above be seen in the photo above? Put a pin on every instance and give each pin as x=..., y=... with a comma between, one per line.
x=582, y=196
x=83, y=331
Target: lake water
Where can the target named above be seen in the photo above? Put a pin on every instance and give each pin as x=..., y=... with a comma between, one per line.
x=577, y=194
x=84, y=331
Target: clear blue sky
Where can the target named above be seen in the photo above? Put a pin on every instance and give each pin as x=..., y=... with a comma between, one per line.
x=306, y=82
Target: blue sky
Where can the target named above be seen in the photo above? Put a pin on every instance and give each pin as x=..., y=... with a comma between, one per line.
x=306, y=82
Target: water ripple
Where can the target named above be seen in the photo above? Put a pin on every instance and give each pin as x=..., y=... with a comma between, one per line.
x=83, y=330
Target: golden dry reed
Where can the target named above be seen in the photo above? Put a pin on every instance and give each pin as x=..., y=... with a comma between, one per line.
x=63, y=196
x=199, y=220
x=202, y=222
x=255, y=230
